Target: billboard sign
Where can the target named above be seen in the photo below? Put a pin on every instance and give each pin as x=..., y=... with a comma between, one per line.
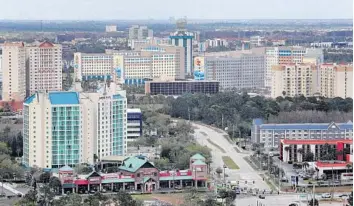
x=118, y=65
x=199, y=69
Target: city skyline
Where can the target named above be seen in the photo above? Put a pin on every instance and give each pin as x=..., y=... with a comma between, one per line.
x=198, y=9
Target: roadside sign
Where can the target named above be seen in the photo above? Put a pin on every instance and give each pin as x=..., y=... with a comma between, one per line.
x=293, y=179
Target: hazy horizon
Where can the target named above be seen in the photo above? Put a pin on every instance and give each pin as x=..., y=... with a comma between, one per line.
x=103, y=10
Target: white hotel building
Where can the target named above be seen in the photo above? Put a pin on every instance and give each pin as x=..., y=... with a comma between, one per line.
x=90, y=66
x=68, y=128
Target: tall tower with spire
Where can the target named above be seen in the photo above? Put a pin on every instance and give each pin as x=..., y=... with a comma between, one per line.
x=185, y=39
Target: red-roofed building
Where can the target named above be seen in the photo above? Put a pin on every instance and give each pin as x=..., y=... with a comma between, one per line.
x=297, y=150
x=14, y=106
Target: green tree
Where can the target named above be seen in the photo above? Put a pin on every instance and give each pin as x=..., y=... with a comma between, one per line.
x=44, y=177
x=123, y=198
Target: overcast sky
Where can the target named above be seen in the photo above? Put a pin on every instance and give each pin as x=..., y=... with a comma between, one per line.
x=163, y=9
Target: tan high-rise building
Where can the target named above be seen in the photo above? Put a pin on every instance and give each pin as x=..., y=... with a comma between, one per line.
x=14, y=72
x=292, y=80
x=45, y=64
x=334, y=80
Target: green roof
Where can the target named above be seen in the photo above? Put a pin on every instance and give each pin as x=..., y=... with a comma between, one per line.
x=132, y=164
x=176, y=178
x=198, y=162
x=115, y=180
x=198, y=157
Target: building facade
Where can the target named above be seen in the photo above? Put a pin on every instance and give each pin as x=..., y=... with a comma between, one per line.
x=296, y=150
x=44, y=72
x=289, y=55
x=111, y=28
x=138, y=174
x=234, y=70
x=67, y=128
x=175, y=88
x=140, y=32
x=308, y=79
x=184, y=39
x=334, y=80
x=51, y=130
x=152, y=61
x=271, y=134
x=134, y=124
x=93, y=66
x=13, y=71
x=293, y=79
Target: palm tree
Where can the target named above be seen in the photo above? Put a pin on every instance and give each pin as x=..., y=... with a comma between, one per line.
x=348, y=167
x=305, y=165
x=287, y=148
x=301, y=152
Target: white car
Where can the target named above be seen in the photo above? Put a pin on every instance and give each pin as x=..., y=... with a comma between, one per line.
x=326, y=195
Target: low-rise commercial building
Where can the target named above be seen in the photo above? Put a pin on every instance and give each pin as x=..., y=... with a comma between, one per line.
x=296, y=150
x=176, y=88
x=137, y=174
x=271, y=134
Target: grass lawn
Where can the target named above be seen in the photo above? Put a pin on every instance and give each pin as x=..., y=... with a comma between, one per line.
x=174, y=199
x=344, y=189
x=217, y=146
x=230, y=163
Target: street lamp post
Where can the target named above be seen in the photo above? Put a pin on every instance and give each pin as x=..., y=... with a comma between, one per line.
x=224, y=173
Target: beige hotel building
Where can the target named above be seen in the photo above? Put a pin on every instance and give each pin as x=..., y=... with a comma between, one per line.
x=14, y=71
x=328, y=80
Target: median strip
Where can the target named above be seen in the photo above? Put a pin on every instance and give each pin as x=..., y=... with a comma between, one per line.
x=217, y=146
x=230, y=163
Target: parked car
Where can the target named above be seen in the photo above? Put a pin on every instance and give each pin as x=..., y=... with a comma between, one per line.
x=284, y=179
x=261, y=197
x=326, y=195
x=344, y=195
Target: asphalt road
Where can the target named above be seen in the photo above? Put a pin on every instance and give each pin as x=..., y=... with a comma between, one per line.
x=281, y=200
x=245, y=173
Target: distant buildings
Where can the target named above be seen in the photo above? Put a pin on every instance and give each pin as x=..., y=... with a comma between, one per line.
x=236, y=69
x=68, y=128
x=184, y=39
x=328, y=80
x=151, y=61
x=45, y=65
x=111, y=28
x=257, y=41
x=140, y=32
x=334, y=80
x=14, y=71
x=134, y=124
x=91, y=66
x=175, y=88
x=271, y=134
x=289, y=55
x=292, y=79
x=216, y=43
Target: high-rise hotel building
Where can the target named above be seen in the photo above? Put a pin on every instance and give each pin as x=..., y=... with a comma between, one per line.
x=90, y=66
x=45, y=66
x=67, y=128
x=328, y=80
x=184, y=39
x=13, y=66
x=289, y=55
